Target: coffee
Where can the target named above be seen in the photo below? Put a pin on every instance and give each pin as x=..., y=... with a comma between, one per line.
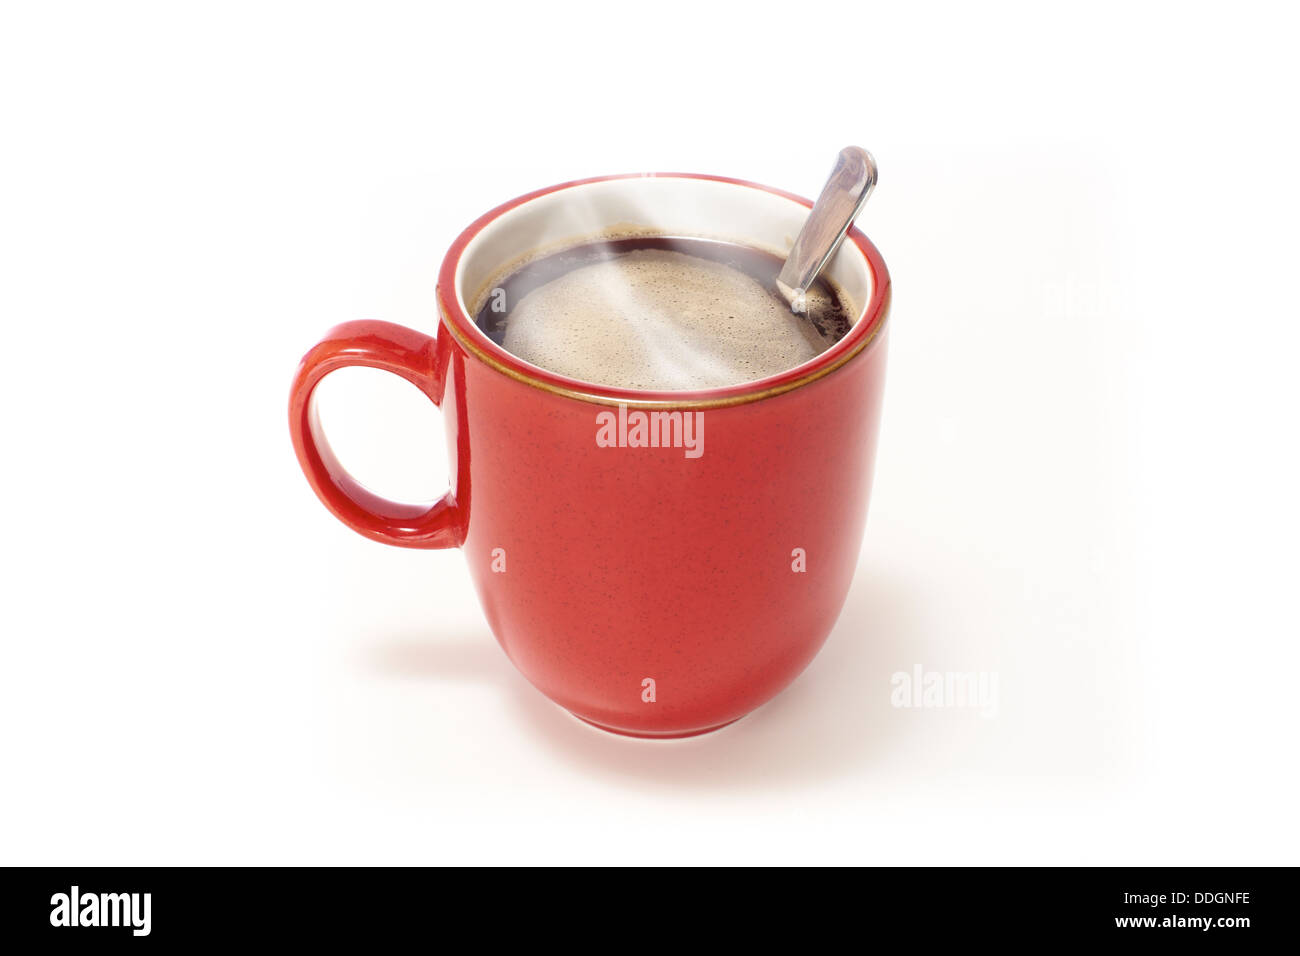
x=656, y=312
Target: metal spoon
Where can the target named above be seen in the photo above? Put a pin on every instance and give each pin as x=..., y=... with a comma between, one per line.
x=842, y=198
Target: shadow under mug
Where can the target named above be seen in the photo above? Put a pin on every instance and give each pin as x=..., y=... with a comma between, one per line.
x=659, y=563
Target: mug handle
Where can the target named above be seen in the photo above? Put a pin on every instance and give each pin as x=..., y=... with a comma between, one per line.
x=404, y=352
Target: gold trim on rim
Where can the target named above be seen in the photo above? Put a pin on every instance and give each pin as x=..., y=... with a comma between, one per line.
x=475, y=349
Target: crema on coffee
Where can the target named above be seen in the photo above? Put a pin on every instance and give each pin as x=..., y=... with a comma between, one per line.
x=653, y=312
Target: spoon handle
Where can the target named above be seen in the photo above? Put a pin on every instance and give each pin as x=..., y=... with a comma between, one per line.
x=842, y=198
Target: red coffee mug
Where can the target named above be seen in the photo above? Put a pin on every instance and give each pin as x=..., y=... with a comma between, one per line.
x=659, y=563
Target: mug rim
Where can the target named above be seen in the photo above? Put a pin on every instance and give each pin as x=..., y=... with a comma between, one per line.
x=868, y=323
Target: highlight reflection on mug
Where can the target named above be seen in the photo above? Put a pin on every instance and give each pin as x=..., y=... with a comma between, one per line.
x=639, y=429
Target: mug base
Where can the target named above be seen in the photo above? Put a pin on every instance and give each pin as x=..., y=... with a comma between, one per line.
x=652, y=735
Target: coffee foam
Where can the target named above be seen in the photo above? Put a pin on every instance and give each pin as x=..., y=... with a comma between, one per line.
x=657, y=319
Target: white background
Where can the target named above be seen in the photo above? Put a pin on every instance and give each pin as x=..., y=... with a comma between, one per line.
x=1087, y=474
